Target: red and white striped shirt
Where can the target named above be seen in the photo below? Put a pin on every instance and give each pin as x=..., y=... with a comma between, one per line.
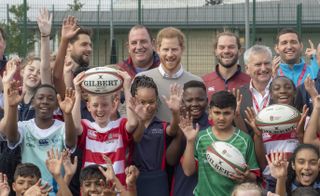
x=112, y=140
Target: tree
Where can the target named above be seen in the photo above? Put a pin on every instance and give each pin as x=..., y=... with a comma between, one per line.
x=15, y=31
x=76, y=6
x=213, y=2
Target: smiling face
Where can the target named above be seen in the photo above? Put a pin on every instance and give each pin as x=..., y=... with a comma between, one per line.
x=100, y=108
x=170, y=52
x=45, y=102
x=227, y=51
x=31, y=74
x=81, y=50
x=196, y=101
x=140, y=47
x=22, y=184
x=306, y=166
x=259, y=67
x=289, y=48
x=92, y=187
x=282, y=91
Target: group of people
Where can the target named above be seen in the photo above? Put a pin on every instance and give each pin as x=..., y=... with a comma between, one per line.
x=151, y=137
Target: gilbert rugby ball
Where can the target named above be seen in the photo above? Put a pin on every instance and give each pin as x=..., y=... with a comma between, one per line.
x=224, y=158
x=278, y=119
x=102, y=80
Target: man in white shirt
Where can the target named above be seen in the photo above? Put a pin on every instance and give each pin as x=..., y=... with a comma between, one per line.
x=170, y=45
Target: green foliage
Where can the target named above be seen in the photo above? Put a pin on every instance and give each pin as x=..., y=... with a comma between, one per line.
x=16, y=31
x=76, y=6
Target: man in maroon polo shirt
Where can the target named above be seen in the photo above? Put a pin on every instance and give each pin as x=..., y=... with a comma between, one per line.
x=227, y=74
x=142, y=56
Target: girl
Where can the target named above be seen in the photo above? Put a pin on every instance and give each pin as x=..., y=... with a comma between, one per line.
x=301, y=171
x=149, y=154
x=282, y=91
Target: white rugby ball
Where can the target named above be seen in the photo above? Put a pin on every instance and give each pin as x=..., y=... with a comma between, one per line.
x=224, y=158
x=102, y=80
x=278, y=119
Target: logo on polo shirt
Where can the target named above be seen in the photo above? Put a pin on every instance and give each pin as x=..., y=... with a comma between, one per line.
x=156, y=131
x=43, y=142
x=211, y=88
x=92, y=134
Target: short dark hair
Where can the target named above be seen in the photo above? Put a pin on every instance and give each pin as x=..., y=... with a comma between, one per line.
x=45, y=86
x=194, y=84
x=91, y=172
x=81, y=31
x=144, y=82
x=27, y=170
x=226, y=33
x=140, y=26
x=2, y=33
x=285, y=31
x=282, y=77
x=223, y=99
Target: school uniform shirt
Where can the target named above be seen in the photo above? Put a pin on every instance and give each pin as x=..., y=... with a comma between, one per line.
x=36, y=142
x=112, y=140
x=209, y=181
x=183, y=185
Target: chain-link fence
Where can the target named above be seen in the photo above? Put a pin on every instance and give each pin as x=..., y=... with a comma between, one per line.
x=200, y=20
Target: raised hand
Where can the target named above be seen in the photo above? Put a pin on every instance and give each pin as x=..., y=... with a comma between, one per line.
x=310, y=87
x=77, y=82
x=69, y=27
x=38, y=189
x=69, y=64
x=187, y=128
x=251, y=120
x=240, y=176
x=13, y=96
x=278, y=164
x=275, y=65
x=108, y=172
x=316, y=103
x=310, y=51
x=54, y=162
x=67, y=104
x=69, y=167
x=175, y=99
x=11, y=68
x=132, y=174
x=4, y=185
x=126, y=79
x=44, y=21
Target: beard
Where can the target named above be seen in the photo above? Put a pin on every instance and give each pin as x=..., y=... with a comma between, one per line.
x=227, y=65
x=80, y=61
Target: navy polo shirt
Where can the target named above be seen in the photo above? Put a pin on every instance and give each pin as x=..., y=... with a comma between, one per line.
x=184, y=185
x=148, y=153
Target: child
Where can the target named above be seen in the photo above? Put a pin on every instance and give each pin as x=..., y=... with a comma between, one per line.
x=38, y=135
x=195, y=102
x=282, y=91
x=150, y=150
x=247, y=189
x=222, y=112
x=104, y=137
x=301, y=171
x=26, y=176
x=95, y=179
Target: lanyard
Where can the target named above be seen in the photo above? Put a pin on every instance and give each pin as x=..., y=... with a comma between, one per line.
x=301, y=75
x=256, y=105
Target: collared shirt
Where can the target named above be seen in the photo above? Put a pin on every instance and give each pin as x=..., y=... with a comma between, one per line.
x=175, y=75
x=260, y=101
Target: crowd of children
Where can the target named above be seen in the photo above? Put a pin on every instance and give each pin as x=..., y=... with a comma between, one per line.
x=65, y=141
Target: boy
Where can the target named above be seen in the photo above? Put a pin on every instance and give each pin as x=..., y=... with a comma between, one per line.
x=93, y=180
x=103, y=136
x=222, y=112
x=195, y=102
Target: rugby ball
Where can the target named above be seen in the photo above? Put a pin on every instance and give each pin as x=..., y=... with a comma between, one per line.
x=224, y=158
x=102, y=80
x=278, y=119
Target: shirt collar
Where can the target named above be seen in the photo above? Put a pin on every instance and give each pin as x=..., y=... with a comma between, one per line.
x=235, y=73
x=251, y=88
x=178, y=74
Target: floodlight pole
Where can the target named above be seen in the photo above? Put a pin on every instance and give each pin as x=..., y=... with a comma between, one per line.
x=247, y=25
